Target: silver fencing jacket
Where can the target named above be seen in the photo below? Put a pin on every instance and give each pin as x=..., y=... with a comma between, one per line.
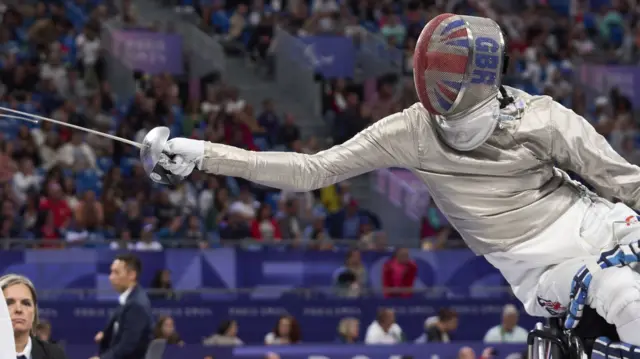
x=498, y=195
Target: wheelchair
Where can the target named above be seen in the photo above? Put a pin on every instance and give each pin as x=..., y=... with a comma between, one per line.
x=553, y=341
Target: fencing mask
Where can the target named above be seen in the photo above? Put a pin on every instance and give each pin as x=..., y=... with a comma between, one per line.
x=458, y=65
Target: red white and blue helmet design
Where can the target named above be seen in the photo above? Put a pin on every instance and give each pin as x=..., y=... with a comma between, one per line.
x=458, y=63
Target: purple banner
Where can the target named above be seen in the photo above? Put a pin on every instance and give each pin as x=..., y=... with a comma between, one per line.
x=600, y=79
x=332, y=56
x=431, y=350
x=151, y=52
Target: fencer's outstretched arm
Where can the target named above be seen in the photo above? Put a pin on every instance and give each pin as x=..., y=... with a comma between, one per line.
x=576, y=146
x=390, y=142
x=7, y=344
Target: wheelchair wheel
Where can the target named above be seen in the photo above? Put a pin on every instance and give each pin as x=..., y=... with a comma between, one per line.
x=549, y=342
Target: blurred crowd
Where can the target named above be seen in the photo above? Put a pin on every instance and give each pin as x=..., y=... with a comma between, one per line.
x=58, y=184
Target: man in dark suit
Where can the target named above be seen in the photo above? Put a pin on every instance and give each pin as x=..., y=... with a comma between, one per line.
x=128, y=332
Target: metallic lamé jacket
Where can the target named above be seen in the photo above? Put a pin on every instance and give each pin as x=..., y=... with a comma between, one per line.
x=501, y=194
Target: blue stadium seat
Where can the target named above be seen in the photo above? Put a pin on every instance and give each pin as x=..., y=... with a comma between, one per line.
x=126, y=165
x=221, y=20
x=105, y=164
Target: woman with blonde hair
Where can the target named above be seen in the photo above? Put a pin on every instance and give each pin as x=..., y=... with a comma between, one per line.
x=348, y=330
x=22, y=304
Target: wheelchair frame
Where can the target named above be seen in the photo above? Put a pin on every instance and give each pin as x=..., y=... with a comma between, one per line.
x=553, y=341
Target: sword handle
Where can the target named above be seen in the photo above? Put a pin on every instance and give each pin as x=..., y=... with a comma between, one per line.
x=160, y=175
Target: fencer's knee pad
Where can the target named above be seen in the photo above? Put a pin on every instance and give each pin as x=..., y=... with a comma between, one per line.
x=615, y=294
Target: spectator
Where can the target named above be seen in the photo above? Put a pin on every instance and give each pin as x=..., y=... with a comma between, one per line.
x=54, y=70
x=165, y=328
x=235, y=227
x=91, y=64
x=31, y=216
x=469, y=353
x=21, y=298
x=290, y=224
x=49, y=231
x=77, y=154
x=264, y=227
x=367, y=234
x=346, y=223
x=289, y=131
x=246, y=203
x=123, y=243
x=111, y=206
x=353, y=264
x=147, y=242
x=8, y=166
x=393, y=30
x=435, y=229
x=219, y=210
x=69, y=189
x=286, y=331
x=133, y=316
x=262, y=34
x=269, y=120
x=76, y=235
x=226, y=335
x=398, y=275
x=384, y=330
x=131, y=219
x=316, y=234
x=194, y=233
x=55, y=204
x=440, y=331
x=25, y=180
x=162, y=284
x=165, y=211
x=348, y=331
x=207, y=195
x=508, y=331
x=49, y=151
x=89, y=213
x=237, y=25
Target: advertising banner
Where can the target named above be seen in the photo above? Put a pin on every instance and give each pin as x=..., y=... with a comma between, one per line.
x=147, y=51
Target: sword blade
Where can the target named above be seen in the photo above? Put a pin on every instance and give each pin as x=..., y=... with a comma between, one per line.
x=76, y=127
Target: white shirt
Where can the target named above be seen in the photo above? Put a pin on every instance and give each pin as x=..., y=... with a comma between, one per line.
x=27, y=350
x=123, y=297
x=377, y=335
x=148, y=246
x=22, y=183
x=116, y=246
x=497, y=335
x=88, y=49
x=271, y=339
x=68, y=152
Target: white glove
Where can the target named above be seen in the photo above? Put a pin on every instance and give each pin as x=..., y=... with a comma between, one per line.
x=181, y=155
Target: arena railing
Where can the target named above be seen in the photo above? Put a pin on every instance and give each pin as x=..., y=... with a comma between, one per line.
x=437, y=292
x=247, y=243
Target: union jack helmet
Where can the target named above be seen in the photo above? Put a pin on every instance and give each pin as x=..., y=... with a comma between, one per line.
x=458, y=63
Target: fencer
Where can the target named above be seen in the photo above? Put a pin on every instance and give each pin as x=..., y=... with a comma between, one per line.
x=494, y=160
x=7, y=344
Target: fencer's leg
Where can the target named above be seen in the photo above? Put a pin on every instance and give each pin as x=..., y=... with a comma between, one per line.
x=615, y=294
